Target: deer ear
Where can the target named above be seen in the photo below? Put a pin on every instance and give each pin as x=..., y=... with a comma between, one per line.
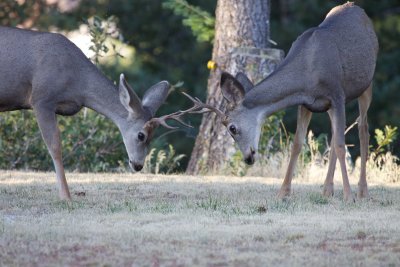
x=244, y=81
x=232, y=89
x=155, y=96
x=128, y=97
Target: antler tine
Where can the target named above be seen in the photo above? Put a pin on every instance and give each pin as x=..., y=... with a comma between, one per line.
x=200, y=105
x=163, y=123
x=176, y=116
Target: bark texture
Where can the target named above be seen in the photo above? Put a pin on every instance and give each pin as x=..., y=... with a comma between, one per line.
x=241, y=44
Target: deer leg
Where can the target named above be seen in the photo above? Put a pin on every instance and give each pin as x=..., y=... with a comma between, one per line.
x=303, y=119
x=328, y=185
x=338, y=118
x=47, y=122
x=363, y=103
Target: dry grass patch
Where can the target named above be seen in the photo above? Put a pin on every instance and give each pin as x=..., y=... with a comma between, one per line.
x=147, y=220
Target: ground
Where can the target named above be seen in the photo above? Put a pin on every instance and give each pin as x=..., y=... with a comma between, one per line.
x=178, y=220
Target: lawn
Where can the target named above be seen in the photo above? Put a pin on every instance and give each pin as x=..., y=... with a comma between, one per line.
x=178, y=220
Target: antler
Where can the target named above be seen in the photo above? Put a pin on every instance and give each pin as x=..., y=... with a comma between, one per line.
x=200, y=107
x=162, y=120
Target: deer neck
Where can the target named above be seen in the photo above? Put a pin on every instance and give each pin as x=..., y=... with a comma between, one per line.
x=282, y=89
x=102, y=96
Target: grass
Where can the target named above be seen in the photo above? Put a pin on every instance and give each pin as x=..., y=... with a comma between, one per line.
x=177, y=220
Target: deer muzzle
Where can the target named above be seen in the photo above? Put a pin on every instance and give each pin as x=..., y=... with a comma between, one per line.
x=135, y=166
x=250, y=157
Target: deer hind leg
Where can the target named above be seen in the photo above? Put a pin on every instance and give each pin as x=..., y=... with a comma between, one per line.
x=47, y=122
x=303, y=119
x=338, y=118
x=363, y=103
x=328, y=185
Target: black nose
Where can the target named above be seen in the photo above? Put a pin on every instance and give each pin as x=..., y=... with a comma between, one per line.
x=250, y=159
x=137, y=167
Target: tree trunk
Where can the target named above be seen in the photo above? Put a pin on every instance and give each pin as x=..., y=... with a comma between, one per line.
x=241, y=44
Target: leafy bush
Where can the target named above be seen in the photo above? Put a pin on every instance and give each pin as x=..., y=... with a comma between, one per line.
x=162, y=161
x=273, y=135
x=381, y=162
x=100, y=31
x=384, y=138
x=90, y=142
x=199, y=21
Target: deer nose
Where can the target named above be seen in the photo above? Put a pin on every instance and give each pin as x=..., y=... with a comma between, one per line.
x=136, y=167
x=250, y=159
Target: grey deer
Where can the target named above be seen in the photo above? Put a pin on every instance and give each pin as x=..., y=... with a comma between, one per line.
x=326, y=67
x=49, y=74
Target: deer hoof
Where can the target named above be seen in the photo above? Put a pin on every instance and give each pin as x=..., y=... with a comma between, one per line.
x=284, y=193
x=64, y=196
x=362, y=192
x=349, y=198
x=328, y=190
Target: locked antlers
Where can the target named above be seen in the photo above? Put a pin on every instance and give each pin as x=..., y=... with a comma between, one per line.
x=200, y=108
x=197, y=108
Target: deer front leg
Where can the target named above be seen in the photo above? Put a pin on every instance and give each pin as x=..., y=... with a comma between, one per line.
x=47, y=122
x=303, y=119
x=338, y=118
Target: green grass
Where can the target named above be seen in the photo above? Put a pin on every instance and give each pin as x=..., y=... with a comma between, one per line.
x=318, y=199
x=148, y=220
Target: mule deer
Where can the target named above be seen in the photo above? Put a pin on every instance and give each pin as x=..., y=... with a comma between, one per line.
x=326, y=67
x=49, y=74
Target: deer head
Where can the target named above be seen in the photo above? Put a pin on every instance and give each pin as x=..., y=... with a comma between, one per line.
x=137, y=131
x=242, y=121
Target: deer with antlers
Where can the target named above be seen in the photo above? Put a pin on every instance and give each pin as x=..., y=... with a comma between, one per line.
x=326, y=67
x=49, y=74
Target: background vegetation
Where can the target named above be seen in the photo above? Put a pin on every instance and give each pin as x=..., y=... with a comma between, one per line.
x=164, y=48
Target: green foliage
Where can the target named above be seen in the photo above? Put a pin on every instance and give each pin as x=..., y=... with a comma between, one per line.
x=21, y=145
x=100, y=31
x=237, y=166
x=381, y=162
x=273, y=134
x=318, y=198
x=162, y=161
x=90, y=142
x=199, y=21
x=315, y=147
x=385, y=138
x=13, y=13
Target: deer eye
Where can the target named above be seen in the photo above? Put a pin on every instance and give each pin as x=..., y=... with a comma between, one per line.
x=232, y=129
x=141, y=136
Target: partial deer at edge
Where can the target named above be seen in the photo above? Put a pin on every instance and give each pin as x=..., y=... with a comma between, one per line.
x=326, y=67
x=49, y=74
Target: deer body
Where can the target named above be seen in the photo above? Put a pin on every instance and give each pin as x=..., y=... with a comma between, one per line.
x=340, y=52
x=42, y=68
x=326, y=67
x=49, y=74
